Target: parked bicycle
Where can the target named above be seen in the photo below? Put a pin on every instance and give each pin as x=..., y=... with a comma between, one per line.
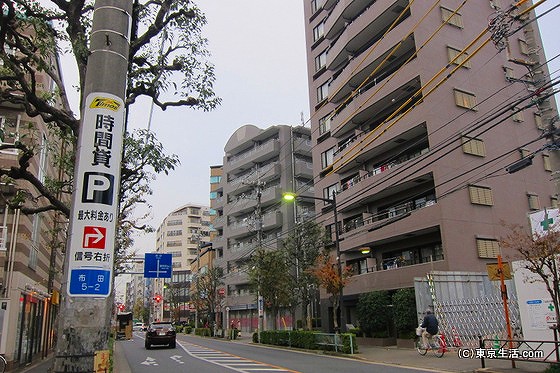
x=3, y=364
x=436, y=345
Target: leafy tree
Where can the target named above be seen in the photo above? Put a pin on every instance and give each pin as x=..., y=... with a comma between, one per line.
x=302, y=248
x=540, y=254
x=374, y=313
x=404, y=312
x=139, y=311
x=207, y=287
x=327, y=275
x=168, y=63
x=269, y=275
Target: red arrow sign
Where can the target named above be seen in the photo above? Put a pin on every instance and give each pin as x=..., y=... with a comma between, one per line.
x=94, y=237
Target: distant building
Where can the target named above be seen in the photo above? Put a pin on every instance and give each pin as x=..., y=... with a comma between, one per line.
x=180, y=234
x=417, y=160
x=257, y=162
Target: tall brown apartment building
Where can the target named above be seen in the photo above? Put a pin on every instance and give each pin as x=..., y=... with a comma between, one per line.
x=414, y=133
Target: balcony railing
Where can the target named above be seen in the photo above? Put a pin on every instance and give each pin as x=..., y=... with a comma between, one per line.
x=382, y=168
x=392, y=213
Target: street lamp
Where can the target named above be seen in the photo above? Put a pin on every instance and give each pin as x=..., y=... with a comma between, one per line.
x=289, y=197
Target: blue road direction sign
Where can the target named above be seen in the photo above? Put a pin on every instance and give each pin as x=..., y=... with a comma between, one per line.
x=157, y=265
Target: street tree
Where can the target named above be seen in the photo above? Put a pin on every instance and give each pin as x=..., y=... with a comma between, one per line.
x=302, y=248
x=327, y=275
x=207, y=287
x=269, y=276
x=540, y=255
x=168, y=63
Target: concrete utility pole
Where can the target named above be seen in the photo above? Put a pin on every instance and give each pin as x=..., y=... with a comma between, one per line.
x=546, y=108
x=85, y=318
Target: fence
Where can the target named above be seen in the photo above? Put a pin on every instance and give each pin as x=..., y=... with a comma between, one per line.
x=518, y=350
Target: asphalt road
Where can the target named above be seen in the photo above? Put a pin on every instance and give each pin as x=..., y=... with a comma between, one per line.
x=207, y=355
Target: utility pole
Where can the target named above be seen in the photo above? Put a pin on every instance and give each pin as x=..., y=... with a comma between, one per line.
x=546, y=109
x=258, y=185
x=84, y=320
x=538, y=82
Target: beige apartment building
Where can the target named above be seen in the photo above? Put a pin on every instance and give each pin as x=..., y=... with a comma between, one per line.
x=414, y=134
x=259, y=166
x=181, y=234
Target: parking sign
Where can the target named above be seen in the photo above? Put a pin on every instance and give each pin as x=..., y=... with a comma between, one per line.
x=95, y=202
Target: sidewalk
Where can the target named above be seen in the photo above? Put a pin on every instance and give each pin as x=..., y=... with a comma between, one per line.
x=450, y=362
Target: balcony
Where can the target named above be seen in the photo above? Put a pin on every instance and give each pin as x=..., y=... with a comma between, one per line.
x=302, y=146
x=249, y=158
x=373, y=68
x=272, y=220
x=344, y=12
x=364, y=31
x=362, y=112
x=303, y=169
x=242, y=183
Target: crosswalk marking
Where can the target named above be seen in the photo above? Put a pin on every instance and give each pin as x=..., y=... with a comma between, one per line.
x=230, y=361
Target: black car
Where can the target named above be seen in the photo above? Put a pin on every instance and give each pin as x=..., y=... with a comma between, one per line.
x=160, y=333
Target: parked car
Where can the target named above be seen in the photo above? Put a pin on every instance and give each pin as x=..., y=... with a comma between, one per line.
x=139, y=327
x=160, y=333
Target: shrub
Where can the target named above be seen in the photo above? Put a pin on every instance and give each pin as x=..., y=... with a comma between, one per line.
x=187, y=329
x=374, y=313
x=404, y=312
x=203, y=332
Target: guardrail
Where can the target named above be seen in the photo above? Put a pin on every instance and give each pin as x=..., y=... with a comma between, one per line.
x=518, y=350
x=329, y=340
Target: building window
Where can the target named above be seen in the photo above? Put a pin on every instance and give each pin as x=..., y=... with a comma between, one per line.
x=324, y=124
x=35, y=241
x=319, y=31
x=215, y=179
x=523, y=47
x=213, y=195
x=316, y=5
x=464, y=99
x=9, y=131
x=328, y=192
x=178, y=232
x=508, y=72
x=487, y=248
x=176, y=265
x=524, y=153
x=173, y=243
x=321, y=61
x=546, y=162
x=452, y=19
x=538, y=120
x=481, y=195
x=453, y=53
x=534, y=203
x=517, y=115
x=327, y=158
x=174, y=222
x=323, y=92
x=554, y=202
x=473, y=146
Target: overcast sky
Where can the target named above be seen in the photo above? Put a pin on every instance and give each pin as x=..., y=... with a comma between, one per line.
x=258, y=48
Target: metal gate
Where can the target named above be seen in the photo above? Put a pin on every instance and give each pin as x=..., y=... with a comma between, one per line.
x=467, y=305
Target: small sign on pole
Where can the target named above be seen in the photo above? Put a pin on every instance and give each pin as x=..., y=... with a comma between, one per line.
x=494, y=271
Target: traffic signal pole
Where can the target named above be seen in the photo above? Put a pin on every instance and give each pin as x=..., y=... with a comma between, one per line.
x=87, y=298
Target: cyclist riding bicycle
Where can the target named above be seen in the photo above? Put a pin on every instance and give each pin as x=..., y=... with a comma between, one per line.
x=430, y=325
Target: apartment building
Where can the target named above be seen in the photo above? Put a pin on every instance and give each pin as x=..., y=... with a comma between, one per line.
x=259, y=165
x=31, y=245
x=414, y=133
x=181, y=234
